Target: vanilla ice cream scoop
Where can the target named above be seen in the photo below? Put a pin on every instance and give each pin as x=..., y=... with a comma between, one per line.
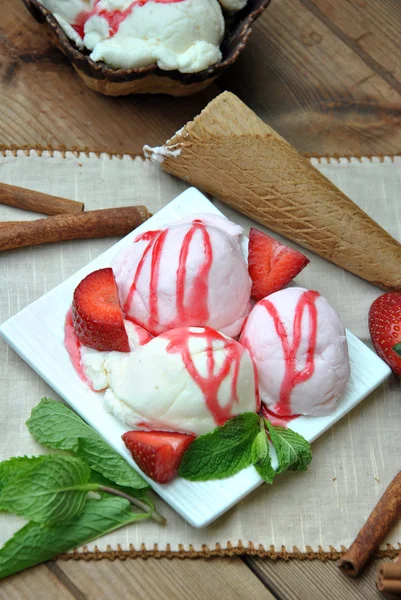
x=175, y=34
x=188, y=379
x=190, y=273
x=90, y=363
x=298, y=344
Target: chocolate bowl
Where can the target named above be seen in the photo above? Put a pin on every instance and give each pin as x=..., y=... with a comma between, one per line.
x=151, y=80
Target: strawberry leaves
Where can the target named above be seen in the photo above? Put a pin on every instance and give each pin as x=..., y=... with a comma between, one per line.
x=397, y=349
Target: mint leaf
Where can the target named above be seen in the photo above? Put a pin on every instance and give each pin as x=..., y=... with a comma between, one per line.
x=14, y=466
x=37, y=543
x=54, y=490
x=261, y=457
x=293, y=451
x=56, y=426
x=266, y=470
x=222, y=452
x=397, y=349
x=260, y=448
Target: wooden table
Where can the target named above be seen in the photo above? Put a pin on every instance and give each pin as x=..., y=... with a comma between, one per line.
x=327, y=75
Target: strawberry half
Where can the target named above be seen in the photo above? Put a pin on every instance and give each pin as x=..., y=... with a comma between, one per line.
x=97, y=315
x=385, y=328
x=271, y=265
x=157, y=453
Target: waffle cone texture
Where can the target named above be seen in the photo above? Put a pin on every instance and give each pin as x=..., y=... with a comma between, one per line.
x=227, y=151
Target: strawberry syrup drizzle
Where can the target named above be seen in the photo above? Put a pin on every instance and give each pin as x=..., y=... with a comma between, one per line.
x=113, y=17
x=277, y=420
x=196, y=311
x=179, y=340
x=293, y=377
x=73, y=347
x=197, y=308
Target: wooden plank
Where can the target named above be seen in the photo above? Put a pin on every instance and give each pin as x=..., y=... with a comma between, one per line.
x=313, y=87
x=35, y=583
x=198, y=579
x=314, y=580
x=324, y=73
x=44, y=102
x=372, y=29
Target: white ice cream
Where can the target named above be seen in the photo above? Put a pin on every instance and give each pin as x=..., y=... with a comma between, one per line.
x=301, y=370
x=190, y=273
x=233, y=5
x=183, y=35
x=93, y=362
x=188, y=380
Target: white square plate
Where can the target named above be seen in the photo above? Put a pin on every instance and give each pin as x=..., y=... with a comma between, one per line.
x=37, y=335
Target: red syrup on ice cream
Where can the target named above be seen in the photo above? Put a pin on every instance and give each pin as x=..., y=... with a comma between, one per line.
x=113, y=17
x=277, y=420
x=73, y=347
x=179, y=342
x=195, y=311
x=293, y=376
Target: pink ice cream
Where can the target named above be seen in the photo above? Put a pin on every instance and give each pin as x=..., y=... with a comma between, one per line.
x=191, y=273
x=299, y=346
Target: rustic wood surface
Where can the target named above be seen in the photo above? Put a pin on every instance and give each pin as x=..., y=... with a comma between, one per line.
x=327, y=75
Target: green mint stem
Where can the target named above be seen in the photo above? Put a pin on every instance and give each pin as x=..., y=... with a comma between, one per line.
x=261, y=423
x=152, y=513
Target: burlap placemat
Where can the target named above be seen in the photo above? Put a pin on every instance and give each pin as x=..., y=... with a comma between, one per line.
x=309, y=515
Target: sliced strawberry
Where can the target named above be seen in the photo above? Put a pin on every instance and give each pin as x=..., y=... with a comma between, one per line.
x=385, y=329
x=271, y=265
x=97, y=315
x=157, y=453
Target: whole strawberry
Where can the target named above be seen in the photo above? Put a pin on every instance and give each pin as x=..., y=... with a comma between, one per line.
x=385, y=329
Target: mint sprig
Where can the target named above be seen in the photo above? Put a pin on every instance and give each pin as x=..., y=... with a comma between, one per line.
x=243, y=441
x=223, y=452
x=261, y=458
x=293, y=451
x=9, y=469
x=54, y=425
x=53, y=490
x=36, y=543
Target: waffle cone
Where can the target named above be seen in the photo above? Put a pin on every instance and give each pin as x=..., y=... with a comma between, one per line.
x=230, y=153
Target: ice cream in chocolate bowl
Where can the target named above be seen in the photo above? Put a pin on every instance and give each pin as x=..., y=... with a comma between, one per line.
x=194, y=341
x=175, y=47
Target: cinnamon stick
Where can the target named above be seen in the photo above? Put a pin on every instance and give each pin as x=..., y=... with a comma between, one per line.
x=37, y=201
x=92, y=224
x=384, y=516
x=389, y=577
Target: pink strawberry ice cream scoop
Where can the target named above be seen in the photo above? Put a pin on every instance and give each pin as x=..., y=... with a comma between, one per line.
x=298, y=344
x=191, y=273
